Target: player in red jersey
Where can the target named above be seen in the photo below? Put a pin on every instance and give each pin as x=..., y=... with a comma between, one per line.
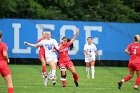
x=4, y=69
x=64, y=61
x=42, y=56
x=133, y=50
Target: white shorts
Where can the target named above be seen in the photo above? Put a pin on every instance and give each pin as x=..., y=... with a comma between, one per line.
x=89, y=59
x=48, y=59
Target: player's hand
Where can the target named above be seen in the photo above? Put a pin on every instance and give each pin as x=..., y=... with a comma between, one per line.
x=26, y=43
x=41, y=26
x=8, y=60
x=77, y=31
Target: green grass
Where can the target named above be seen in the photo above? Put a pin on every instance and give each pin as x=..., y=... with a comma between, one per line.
x=27, y=79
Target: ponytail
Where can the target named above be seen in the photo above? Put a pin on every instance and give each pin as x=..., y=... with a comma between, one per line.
x=68, y=40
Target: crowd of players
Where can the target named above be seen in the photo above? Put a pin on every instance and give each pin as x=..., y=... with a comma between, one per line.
x=47, y=55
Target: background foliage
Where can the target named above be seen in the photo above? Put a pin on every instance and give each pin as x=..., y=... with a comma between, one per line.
x=85, y=10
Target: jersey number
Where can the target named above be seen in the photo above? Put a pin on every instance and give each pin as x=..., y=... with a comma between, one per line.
x=134, y=52
x=49, y=47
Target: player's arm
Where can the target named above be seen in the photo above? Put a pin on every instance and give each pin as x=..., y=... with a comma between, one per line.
x=32, y=45
x=57, y=47
x=127, y=51
x=77, y=32
x=5, y=54
x=97, y=55
x=86, y=52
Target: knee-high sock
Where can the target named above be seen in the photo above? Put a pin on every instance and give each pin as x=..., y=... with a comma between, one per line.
x=137, y=83
x=10, y=90
x=92, y=71
x=127, y=78
x=75, y=76
x=87, y=70
x=44, y=69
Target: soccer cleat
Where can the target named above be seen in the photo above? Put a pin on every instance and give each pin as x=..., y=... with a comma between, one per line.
x=119, y=85
x=64, y=83
x=53, y=82
x=92, y=77
x=136, y=88
x=47, y=78
x=76, y=84
x=44, y=74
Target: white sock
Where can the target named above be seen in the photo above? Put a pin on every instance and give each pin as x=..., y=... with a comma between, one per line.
x=92, y=71
x=87, y=71
x=53, y=72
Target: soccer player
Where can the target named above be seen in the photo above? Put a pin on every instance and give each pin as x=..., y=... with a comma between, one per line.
x=42, y=56
x=133, y=50
x=90, y=51
x=49, y=44
x=4, y=69
x=64, y=61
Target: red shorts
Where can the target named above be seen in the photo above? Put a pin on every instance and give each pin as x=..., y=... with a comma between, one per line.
x=4, y=69
x=134, y=66
x=67, y=64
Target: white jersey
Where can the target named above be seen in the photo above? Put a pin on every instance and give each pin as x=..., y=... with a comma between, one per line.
x=90, y=49
x=49, y=47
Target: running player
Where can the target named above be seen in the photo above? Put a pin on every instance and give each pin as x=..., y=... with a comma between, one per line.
x=49, y=44
x=42, y=56
x=90, y=51
x=64, y=61
x=4, y=69
x=133, y=50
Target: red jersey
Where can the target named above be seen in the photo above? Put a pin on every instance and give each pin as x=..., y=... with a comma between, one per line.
x=42, y=50
x=134, y=49
x=63, y=53
x=3, y=47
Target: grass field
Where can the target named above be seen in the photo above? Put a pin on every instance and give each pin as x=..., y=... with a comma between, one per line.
x=27, y=79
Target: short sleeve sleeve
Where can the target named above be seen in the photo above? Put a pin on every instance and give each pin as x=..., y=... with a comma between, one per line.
x=95, y=48
x=56, y=44
x=40, y=43
x=68, y=44
x=5, y=48
x=85, y=47
x=128, y=47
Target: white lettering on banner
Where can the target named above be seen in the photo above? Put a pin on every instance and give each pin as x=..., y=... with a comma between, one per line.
x=16, y=48
x=40, y=28
x=88, y=30
x=73, y=28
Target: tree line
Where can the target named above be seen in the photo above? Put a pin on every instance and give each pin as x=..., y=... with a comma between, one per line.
x=83, y=10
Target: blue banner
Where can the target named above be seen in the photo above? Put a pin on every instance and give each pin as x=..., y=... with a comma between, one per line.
x=110, y=38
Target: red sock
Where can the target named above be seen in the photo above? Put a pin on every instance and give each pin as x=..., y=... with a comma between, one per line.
x=44, y=69
x=75, y=76
x=137, y=81
x=127, y=78
x=10, y=90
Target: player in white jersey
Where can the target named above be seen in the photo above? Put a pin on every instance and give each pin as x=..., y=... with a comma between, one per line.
x=90, y=52
x=49, y=44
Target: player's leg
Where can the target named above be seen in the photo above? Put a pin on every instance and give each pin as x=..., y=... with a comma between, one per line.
x=127, y=78
x=43, y=61
x=63, y=75
x=71, y=68
x=137, y=82
x=87, y=61
x=92, y=63
x=88, y=69
x=9, y=83
x=6, y=74
x=52, y=74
